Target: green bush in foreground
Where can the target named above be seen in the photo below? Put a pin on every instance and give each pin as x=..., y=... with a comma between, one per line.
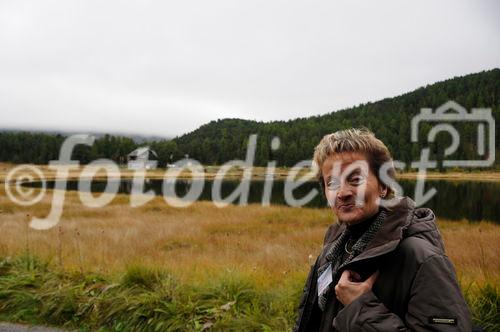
x=142, y=299
x=484, y=302
x=145, y=299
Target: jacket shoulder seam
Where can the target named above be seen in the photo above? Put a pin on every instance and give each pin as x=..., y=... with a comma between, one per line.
x=425, y=261
x=428, y=251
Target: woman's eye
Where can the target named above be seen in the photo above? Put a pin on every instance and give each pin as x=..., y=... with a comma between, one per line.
x=332, y=185
x=356, y=180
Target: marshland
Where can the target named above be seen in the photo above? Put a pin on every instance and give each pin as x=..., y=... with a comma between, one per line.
x=158, y=267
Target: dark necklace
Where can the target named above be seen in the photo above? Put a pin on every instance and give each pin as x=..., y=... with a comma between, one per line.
x=346, y=245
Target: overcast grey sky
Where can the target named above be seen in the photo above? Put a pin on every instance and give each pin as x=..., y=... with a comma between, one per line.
x=167, y=67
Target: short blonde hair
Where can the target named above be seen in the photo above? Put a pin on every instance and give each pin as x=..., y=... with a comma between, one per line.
x=356, y=140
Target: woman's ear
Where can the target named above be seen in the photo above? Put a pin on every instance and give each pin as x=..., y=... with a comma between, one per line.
x=383, y=191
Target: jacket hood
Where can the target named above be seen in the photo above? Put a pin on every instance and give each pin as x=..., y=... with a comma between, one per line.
x=422, y=224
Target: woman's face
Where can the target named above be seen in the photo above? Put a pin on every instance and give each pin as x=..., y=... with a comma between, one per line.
x=351, y=188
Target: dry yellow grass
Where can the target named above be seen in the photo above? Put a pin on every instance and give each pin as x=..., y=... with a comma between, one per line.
x=191, y=242
x=202, y=240
x=195, y=243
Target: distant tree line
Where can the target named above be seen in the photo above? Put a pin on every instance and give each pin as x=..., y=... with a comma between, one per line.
x=40, y=148
x=222, y=140
x=389, y=119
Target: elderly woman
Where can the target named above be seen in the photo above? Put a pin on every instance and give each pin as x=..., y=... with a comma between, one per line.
x=383, y=265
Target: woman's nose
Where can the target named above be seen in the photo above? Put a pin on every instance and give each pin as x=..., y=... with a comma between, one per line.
x=344, y=192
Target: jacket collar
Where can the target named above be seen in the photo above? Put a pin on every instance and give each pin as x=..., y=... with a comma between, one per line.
x=399, y=217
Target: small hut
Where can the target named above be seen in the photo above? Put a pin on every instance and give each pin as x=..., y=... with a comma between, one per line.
x=142, y=158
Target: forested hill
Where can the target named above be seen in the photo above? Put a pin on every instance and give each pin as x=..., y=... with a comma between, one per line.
x=223, y=140
x=390, y=118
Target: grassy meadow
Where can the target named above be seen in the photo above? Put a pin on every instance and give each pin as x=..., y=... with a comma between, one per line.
x=157, y=267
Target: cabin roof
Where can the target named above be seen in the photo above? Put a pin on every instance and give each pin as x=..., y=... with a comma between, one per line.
x=142, y=150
